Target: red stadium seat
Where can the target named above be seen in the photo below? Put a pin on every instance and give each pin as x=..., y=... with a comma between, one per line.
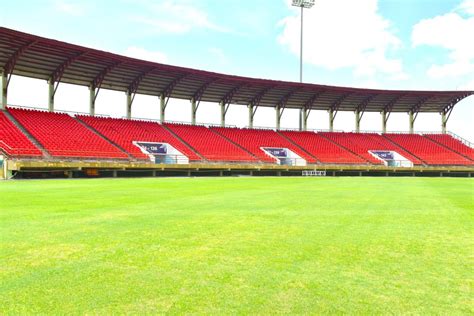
x=209, y=144
x=13, y=142
x=324, y=150
x=124, y=132
x=253, y=140
x=63, y=136
x=429, y=151
x=453, y=144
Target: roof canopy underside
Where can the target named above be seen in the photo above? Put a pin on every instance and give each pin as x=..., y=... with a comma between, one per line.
x=43, y=58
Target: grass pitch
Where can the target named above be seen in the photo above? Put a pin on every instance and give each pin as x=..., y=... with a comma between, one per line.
x=237, y=245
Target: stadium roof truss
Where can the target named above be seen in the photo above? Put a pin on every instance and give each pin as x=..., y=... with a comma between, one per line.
x=55, y=61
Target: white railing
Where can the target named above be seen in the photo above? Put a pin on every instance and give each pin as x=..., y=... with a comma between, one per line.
x=462, y=140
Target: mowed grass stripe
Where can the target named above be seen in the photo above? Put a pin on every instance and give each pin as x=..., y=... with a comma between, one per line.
x=237, y=245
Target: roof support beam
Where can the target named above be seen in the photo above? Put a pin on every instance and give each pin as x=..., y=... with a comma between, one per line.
x=334, y=109
x=58, y=73
x=224, y=107
x=196, y=98
x=251, y=115
x=360, y=110
x=51, y=91
x=227, y=100
x=306, y=110
x=446, y=113
x=387, y=111
x=96, y=84
x=162, y=108
x=168, y=90
x=7, y=71
x=413, y=113
x=4, y=90
x=133, y=88
x=255, y=103
x=281, y=106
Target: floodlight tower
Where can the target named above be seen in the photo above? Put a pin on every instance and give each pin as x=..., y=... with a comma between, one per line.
x=303, y=4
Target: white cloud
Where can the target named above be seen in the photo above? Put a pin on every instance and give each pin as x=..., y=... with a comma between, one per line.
x=142, y=53
x=218, y=54
x=345, y=34
x=69, y=7
x=178, y=17
x=453, y=32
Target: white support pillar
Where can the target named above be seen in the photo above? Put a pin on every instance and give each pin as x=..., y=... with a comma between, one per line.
x=357, y=121
x=250, y=106
x=193, y=111
x=331, y=120
x=222, y=105
x=444, y=121
x=4, y=90
x=278, y=116
x=162, y=108
x=384, y=121
x=50, y=95
x=304, y=119
x=411, y=118
x=91, y=100
x=128, y=109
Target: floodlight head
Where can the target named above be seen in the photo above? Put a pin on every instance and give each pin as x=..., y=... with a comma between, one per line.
x=303, y=3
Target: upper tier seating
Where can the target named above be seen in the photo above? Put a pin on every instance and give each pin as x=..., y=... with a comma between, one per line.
x=13, y=142
x=429, y=151
x=252, y=140
x=124, y=132
x=453, y=144
x=324, y=150
x=63, y=136
x=209, y=144
x=361, y=143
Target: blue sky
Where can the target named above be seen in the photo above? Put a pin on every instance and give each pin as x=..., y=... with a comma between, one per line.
x=398, y=44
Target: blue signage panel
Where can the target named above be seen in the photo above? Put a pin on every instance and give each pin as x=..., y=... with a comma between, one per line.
x=385, y=155
x=277, y=152
x=154, y=148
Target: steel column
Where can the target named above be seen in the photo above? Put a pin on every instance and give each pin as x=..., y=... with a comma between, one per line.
x=331, y=120
x=250, y=107
x=357, y=121
x=411, y=118
x=4, y=89
x=50, y=95
x=304, y=118
x=384, y=121
x=444, y=121
x=162, y=108
x=222, y=105
x=278, y=117
x=92, y=100
x=193, y=111
x=128, y=109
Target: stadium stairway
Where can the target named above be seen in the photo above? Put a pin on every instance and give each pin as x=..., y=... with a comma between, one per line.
x=78, y=119
x=429, y=151
x=30, y=137
x=182, y=141
x=452, y=144
x=299, y=146
x=231, y=141
x=345, y=148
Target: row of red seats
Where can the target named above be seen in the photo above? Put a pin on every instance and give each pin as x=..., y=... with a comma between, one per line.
x=254, y=140
x=323, y=149
x=13, y=142
x=124, y=132
x=427, y=150
x=362, y=143
x=210, y=145
x=453, y=144
x=62, y=136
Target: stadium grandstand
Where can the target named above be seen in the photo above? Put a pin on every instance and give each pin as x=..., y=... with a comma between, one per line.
x=36, y=142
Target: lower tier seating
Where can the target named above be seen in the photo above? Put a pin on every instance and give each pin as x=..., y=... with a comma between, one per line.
x=13, y=142
x=321, y=148
x=209, y=144
x=63, y=136
x=429, y=151
x=453, y=144
x=124, y=132
x=253, y=140
x=361, y=143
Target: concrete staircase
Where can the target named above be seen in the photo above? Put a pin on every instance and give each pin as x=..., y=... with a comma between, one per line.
x=35, y=142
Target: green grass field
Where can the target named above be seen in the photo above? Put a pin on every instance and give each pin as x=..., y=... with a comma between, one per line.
x=237, y=245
